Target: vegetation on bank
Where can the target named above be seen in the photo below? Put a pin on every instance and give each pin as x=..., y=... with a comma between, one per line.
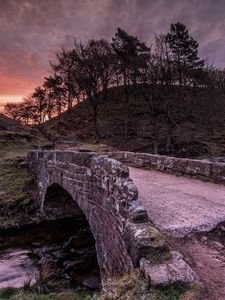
x=16, y=193
x=28, y=294
x=128, y=287
x=134, y=286
x=16, y=140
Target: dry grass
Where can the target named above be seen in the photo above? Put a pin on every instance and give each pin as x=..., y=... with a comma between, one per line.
x=128, y=287
x=16, y=191
x=134, y=286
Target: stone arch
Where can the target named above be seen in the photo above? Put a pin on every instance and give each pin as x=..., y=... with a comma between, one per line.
x=59, y=203
x=105, y=226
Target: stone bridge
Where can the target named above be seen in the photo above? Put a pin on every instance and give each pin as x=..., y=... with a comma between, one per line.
x=99, y=187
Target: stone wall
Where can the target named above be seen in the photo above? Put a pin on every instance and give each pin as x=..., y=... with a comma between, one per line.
x=109, y=200
x=202, y=169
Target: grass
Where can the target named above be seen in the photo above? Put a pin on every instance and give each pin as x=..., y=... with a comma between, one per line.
x=16, y=140
x=173, y=292
x=94, y=147
x=128, y=292
x=13, y=150
x=14, y=182
x=21, y=294
x=131, y=286
x=134, y=286
x=15, y=191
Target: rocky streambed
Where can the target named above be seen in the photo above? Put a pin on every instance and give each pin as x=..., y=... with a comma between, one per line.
x=53, y=255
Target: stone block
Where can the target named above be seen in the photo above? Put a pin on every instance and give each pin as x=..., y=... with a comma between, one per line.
x=137, y=212
x=218, y=172
x=145, y=241
x=199, y=167
x=161, y=160
x=173, y=271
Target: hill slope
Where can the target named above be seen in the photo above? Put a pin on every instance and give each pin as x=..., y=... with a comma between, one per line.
x=16, y=139
x=191, y=137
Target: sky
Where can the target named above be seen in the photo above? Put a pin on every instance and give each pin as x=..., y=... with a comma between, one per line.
x=31, y=31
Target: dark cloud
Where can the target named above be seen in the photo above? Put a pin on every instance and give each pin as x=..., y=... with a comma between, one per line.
x=32, y=30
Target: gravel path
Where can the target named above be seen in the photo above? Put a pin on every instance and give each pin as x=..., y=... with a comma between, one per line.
x=180, y=205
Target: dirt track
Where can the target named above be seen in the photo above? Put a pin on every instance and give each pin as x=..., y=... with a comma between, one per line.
x=180, y=205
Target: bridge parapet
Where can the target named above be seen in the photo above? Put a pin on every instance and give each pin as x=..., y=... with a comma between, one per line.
x=202, y=169
x=109, y=200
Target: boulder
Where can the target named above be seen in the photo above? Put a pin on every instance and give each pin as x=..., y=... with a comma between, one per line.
x=175, y=270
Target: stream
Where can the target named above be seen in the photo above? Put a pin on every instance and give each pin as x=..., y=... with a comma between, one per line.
x=59, y=254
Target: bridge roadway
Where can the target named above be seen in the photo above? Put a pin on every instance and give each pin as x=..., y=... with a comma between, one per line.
x=180, y=205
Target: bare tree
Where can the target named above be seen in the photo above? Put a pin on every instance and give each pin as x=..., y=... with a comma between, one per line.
x=12, y=110
x=93, y=72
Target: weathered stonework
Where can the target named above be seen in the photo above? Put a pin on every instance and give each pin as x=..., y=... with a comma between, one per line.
x=103, y=191
x=205, y=170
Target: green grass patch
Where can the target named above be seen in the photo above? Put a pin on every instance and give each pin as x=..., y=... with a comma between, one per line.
x=16, y=184
x=94, y=147
x=8, y=293
x=21, y=294
x=172, y=292
x=127, y=287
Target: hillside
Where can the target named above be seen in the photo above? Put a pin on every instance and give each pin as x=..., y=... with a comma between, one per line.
x=16, y=140
x=192, y=137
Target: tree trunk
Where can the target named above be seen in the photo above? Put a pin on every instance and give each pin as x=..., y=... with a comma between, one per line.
x=126, y=102
x=95, y=122
x=155, y=147
x=155, y=137
x=94, y=105
x=169, y=143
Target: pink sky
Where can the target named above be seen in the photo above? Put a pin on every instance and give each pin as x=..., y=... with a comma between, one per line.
x=31, y=31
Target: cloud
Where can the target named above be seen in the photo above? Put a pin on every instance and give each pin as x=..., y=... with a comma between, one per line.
x=31, y=31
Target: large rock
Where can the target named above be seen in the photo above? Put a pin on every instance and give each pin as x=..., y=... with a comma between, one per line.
x=173, y=271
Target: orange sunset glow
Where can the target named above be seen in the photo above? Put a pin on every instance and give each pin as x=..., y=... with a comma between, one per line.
x=32, y=31
x=9, y=98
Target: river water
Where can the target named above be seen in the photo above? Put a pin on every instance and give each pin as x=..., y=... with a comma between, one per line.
x=60, y=251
